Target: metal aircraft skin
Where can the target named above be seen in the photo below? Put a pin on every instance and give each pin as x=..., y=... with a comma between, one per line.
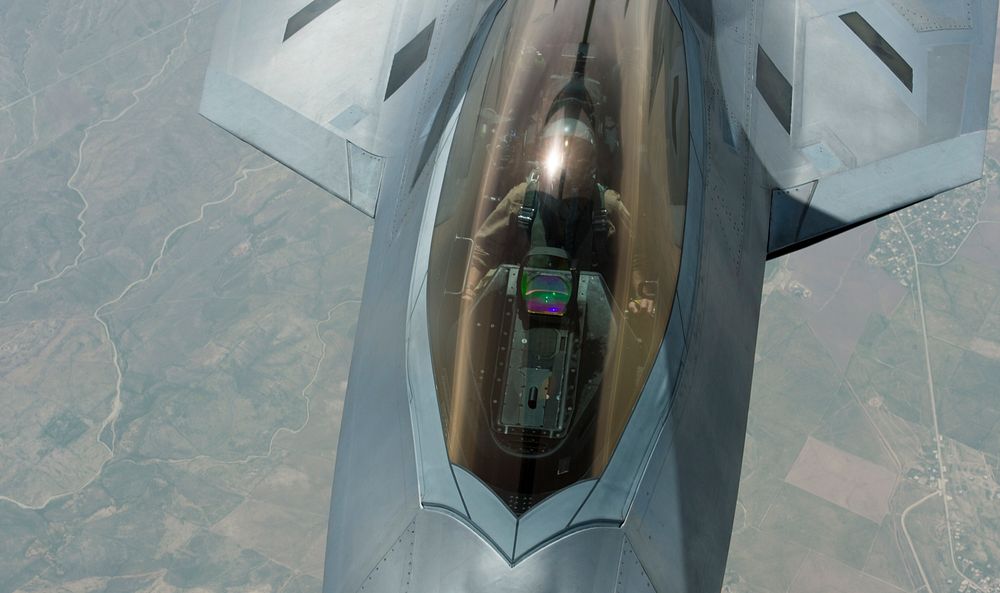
x=573, y=202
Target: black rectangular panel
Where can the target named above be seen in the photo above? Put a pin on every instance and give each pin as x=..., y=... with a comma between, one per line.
x=307, y=15
x=407, y=60
x=775, y=89
x=880, y=47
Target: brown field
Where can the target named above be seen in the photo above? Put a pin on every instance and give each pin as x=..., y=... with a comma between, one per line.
x=845, y=480
x=822, y=574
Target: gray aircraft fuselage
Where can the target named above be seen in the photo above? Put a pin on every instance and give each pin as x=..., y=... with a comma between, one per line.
x=661, y=513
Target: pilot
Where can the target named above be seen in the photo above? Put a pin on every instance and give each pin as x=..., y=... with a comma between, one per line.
x=560, y=205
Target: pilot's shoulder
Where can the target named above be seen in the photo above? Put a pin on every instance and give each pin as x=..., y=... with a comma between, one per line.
x=616, y=208
x=612, y=199
x=515, y=197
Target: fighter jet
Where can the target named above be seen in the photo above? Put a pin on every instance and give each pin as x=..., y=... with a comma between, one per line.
x=573, y=202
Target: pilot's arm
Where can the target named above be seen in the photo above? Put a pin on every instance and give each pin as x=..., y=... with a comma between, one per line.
x=621, y=222
x=492, y=237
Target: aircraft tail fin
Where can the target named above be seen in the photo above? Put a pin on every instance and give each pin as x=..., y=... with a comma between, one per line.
x=335, y=90
x=867, y=107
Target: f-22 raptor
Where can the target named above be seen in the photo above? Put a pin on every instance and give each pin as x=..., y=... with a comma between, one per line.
x=573, y=202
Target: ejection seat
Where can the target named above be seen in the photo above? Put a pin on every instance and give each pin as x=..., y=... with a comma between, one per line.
x=548, y=327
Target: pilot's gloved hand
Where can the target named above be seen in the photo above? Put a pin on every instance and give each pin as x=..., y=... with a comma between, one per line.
x=642, y=305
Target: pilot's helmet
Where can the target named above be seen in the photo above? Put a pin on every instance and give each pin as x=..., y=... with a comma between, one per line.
x=568, y=159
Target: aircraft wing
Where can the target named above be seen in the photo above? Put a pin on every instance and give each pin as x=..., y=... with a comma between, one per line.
x=864, y=107
x=331, y=88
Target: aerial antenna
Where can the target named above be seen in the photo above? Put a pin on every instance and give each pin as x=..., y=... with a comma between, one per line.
x=574, y=96
x=590, y=19
x=584, y=47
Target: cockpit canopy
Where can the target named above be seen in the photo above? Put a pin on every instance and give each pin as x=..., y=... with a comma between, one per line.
x=557, y=240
